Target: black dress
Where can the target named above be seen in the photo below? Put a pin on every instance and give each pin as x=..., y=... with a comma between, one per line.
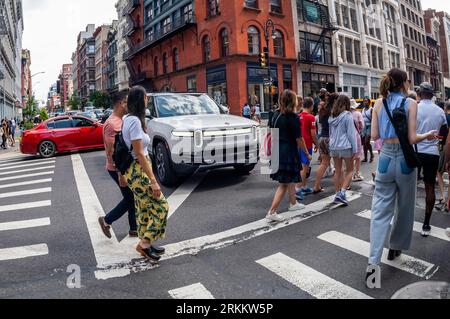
x=289, y=165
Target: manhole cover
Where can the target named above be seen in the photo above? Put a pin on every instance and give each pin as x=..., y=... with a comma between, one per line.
x=424, y=290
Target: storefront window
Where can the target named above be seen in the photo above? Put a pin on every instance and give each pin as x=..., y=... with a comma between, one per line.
x=217, y=84
x=313, y=82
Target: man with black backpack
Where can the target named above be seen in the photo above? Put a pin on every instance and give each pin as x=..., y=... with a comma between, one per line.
x=429, y=117
x=112, y=127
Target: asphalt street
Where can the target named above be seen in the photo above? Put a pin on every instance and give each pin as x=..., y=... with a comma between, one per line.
x=218, y=243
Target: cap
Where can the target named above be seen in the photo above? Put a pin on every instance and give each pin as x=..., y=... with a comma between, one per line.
x=426, y=87
x=353, y=104
x=323, y=90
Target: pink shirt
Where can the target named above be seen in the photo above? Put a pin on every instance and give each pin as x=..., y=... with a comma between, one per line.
x=112, y=126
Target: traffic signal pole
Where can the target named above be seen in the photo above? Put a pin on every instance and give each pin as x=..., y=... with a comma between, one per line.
x=269, y=25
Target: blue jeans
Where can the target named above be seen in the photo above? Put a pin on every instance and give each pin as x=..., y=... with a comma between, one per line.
x=394, y=200
x=126, y=205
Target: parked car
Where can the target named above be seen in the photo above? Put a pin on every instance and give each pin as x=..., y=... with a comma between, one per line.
x=62, y=134
x=89, y=109
x=106, y=115
x=99, y=113
x=196, y=119
x=89, y=115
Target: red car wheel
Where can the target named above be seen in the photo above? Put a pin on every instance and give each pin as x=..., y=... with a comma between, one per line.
x=47, y=149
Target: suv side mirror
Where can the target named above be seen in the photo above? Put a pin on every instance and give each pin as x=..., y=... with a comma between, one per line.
x=148, y=114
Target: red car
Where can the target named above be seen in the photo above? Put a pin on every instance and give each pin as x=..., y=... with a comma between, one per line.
x=62, y=134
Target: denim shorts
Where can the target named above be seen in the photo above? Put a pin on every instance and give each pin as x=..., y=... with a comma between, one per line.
x=348, y=153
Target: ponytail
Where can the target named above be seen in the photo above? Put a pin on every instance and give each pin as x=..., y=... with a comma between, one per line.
x=393, y=82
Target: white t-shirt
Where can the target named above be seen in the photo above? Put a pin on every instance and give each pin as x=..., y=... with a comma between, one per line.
x=429, y=117
x=132, y=131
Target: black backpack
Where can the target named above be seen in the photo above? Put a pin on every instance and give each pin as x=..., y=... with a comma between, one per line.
x=122, y=155
x=399, y=120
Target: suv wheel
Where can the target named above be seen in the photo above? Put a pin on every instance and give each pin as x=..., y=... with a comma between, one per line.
x=47, y=149
x=244, y=169
x=163, y=165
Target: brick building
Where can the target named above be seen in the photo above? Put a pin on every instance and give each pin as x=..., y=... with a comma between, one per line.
x=27, y=84
x=432, y=26
x=210, y=46
x=101, y=57
x=64, y=79
x=444, y=39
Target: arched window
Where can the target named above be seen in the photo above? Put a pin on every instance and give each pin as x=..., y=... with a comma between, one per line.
x=224, y=43
x=278, y=44
x=165, y=63
x=206, y=49
x=156, y=66
x=254, y=41
x=176, y=59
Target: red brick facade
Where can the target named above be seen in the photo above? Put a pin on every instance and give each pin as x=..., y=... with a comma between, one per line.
x=234, y=18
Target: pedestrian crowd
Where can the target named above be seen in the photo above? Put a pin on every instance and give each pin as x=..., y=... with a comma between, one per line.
x=407, y=135
x=8, y=133
x=409, y=131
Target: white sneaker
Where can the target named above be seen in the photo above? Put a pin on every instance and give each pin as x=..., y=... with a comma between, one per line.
x=298, y=206
x=274, y=217
x=447, y=231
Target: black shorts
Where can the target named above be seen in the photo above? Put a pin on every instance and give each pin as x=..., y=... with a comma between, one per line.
x=430, y=166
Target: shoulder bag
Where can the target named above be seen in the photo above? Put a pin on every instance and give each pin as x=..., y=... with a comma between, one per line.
x=399, y=120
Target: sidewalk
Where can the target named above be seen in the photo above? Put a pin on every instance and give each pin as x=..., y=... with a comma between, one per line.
x=10, y=152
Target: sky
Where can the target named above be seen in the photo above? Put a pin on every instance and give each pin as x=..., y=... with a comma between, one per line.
x=51, y=30
x=52, y=27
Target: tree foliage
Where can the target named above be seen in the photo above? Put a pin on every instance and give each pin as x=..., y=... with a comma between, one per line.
x=43, y=114
x=74, y=103
x=100, y=100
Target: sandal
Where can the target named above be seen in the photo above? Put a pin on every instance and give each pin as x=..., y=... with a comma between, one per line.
x=321, y=190
x=440, y=205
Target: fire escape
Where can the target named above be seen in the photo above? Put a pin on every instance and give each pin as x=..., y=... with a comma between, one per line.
x=328, y=29
x=130, y=28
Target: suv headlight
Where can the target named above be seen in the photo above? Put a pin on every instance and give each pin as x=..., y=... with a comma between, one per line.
x=255, y=133
x=182, y=134
x=198, y=138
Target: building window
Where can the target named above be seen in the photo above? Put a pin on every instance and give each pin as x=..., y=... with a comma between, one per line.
x=213, y=8
x=278, y=44
x=312, y=50
x=354, y=20
x=251, y=4
x=206, y=49
x=176, y=59
x=165, y=63
x=254, y=41
x=349, y=50
x=275, y=6
x=156, y=66
x=224, y=43
x=192, y=84
x=357, y=46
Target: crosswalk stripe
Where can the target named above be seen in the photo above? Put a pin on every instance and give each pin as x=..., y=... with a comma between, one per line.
x=309, y=280
x=23, y=252
x=38, y=181
x=435, y=231
x=21, y=206
x=24, y=224
x=193, y=292
x=17, y=161
x=27, y=170
x=26, y=165
x=406, y=263
x=27, y=192
x=10, y=178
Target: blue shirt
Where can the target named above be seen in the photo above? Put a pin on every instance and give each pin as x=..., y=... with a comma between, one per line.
x=246, y=110
x=385, y=127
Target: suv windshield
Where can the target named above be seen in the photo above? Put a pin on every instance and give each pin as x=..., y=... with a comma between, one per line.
x=185, y=104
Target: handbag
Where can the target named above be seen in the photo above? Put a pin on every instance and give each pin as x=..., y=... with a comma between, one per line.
x=122, y=156
x=268, y=138
x=399, y=121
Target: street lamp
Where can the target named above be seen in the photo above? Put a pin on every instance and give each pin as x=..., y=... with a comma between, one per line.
x=269, y=31
x=43, y=72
